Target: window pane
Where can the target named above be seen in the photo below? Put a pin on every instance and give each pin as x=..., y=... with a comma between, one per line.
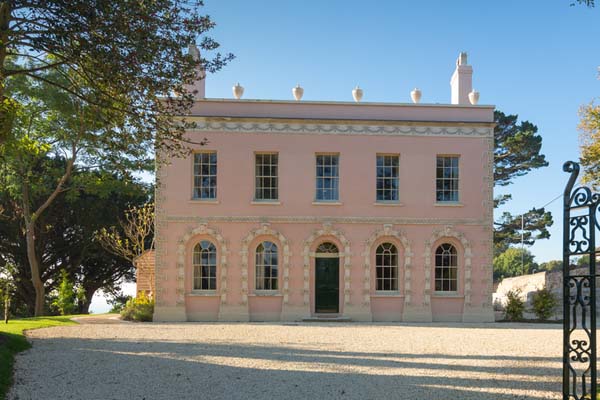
x=386, y=186
x=205, y=176
x=327, y=179
x=447, y=179
x=266, y=181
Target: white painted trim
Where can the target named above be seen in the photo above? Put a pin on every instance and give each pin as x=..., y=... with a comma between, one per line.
x=265, y=230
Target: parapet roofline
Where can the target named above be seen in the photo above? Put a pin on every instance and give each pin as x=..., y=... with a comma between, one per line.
x=342, y=110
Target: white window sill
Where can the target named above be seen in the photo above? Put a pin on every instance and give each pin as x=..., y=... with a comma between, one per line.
x=448, y=295
x=327, y=203
x=203, y=293
x=204, y=201
x=265, y=203
x=266, y=293
x=388, y=204
x=391, y=294
x=448, y=204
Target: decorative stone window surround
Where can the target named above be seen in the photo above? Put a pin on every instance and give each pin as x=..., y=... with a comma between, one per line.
x=451, y=233
x=400, y=237
x=222, y=251
x=265, y=230
x=326, y=230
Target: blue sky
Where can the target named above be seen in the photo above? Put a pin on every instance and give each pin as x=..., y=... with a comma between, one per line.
x=537, y=59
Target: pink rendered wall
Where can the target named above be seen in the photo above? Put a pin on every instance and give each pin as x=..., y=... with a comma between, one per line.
x=235, y=175
x=357, y=197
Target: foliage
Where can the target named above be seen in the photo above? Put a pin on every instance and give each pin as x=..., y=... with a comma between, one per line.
x=513, y=311
x=552, y=265
x=517, y=149
x=138, y=233
x=589, y=3
x=65, y=235
x=65, y=301
x=93, y=84
x=120, y=56
x=589, y=127
x=139, y=308
x=544, y=302
x=13, y=341
x=513, y=262
x=507, y=230
x=117, y=301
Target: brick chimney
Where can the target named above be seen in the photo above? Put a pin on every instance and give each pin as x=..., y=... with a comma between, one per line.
x=198, y=88
x=461, y=81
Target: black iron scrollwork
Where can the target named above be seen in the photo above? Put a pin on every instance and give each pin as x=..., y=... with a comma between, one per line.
x=579, y=289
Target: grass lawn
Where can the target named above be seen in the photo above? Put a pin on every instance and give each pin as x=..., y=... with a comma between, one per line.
x=12, y=341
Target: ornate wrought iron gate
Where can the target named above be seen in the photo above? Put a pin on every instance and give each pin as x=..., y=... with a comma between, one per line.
x=579, y=289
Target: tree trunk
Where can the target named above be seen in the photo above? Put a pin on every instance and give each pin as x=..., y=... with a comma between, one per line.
x=89, y=294
x=38, y=285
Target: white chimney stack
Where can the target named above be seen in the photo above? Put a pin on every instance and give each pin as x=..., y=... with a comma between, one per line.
x=198, y=88
x=461, y=81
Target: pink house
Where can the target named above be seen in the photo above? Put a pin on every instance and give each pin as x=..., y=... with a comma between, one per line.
x=301, y=209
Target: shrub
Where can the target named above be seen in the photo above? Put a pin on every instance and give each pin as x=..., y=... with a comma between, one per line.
x=139, y=308
x=544, y=303
x=65, y=301
x=513, y=311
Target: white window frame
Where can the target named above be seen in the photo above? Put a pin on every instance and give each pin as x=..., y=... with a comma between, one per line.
x=454, y=179
x=260, y=265
x=377, y=178
x=335, y=178
x=197, y=167
x=259, y=179
x=453, y=265
x=197, y=265
x=394, y=286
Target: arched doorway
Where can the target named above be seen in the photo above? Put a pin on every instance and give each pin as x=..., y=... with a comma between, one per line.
x=327, y=279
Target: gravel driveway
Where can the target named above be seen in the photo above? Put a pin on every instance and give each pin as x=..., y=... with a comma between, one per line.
x=291, y=361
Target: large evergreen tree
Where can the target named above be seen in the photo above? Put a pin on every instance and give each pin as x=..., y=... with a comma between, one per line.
x=517, y=151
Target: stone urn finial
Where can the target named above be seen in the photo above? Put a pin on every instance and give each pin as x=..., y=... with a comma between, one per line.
x=357, y=94
x=474, y=97
x=298, y=92
x=238, y=91
x=415, y=95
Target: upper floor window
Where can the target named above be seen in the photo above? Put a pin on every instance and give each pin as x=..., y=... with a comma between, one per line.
x=386, y=262
x=327, y=177
x=387, y=178
x=266, y=266
x=447, y=179
x=266, y=177
x=446, y=268
x=205, y=175
x=205, y=266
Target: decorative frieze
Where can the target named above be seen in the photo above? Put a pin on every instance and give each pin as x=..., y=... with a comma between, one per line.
x=251, y=127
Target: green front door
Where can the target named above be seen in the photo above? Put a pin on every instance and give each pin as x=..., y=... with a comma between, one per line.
x=327, y=285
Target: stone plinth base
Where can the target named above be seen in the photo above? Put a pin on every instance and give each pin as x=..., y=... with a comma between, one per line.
x=360, y=313
x=169, y=314
x=478, y=314
x=230, y=313
x=292, y=313
x=414, y=313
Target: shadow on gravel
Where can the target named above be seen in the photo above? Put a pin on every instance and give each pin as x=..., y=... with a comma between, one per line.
x=119, y=369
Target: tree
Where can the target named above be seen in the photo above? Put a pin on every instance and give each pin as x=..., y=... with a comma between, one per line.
x=517, y=149
x=65, y=235
x=513, y=262
x=94, y=83
x=137, y=236
x=589, y=127
x=124, y=56
x=552, y=266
